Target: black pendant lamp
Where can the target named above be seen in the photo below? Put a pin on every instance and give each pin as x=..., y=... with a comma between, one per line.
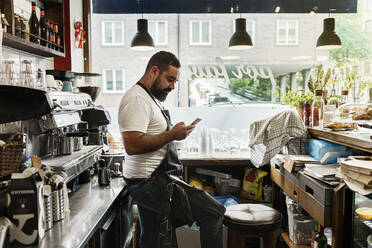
x=328, y=39
x=142, y=40
x=240, y=40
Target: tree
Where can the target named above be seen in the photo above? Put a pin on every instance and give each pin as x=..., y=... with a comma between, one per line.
x=356, y=43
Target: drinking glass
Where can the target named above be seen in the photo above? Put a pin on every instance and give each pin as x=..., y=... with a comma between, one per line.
x=8, y=73
x=27, y=78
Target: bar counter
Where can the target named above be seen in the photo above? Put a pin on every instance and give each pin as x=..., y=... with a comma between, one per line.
x=89, y=207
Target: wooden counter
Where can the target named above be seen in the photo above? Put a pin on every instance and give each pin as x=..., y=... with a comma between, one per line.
x=359, y=139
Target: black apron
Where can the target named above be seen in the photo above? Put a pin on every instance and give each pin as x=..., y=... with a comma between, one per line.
x=170, y=163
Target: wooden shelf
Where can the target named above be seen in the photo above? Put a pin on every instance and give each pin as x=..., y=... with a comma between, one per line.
x=13, y=41
x=289, y=242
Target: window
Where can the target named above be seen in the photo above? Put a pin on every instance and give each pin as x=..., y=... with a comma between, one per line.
x=159, y=32
x=287, y=32
x=200, y=33
x=368, y=26
x=112, y=33
x=113, y=80
x=250, y=28
x=368, y=4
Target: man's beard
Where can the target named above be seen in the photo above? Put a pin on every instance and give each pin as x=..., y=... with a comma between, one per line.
x=157, y=92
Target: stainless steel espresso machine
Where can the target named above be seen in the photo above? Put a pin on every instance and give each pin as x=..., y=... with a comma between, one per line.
x=65, y=129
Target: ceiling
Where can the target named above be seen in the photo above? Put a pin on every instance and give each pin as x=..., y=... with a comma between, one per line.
x=222, y=6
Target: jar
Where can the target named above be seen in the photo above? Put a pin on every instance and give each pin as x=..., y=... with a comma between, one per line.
x=317, y=108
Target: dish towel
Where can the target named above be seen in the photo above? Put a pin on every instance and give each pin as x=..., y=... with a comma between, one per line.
x=269, y=136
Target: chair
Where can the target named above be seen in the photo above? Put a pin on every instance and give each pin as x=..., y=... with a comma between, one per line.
x=252, y=221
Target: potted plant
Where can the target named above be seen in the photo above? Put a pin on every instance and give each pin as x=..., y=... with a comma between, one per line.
x=297, y=99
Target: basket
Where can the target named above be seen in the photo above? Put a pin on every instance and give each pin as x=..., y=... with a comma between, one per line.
x=11, y=153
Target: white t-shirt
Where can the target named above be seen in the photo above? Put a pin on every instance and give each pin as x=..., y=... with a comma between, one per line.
x=138, y=112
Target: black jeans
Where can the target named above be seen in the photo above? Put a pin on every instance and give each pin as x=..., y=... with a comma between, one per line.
x=210, y=226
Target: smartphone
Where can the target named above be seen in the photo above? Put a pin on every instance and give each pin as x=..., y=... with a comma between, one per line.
x=196, y=121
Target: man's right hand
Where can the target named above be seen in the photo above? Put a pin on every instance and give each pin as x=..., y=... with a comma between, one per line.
x=180, y=131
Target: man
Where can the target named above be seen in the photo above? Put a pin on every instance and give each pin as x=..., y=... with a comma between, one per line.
x=151, y=162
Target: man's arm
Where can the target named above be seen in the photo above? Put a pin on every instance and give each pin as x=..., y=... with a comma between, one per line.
x=138, y=143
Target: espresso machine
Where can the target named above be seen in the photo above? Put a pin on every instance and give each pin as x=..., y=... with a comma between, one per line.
x=65, y=129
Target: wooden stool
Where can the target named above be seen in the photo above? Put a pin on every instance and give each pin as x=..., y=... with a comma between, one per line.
x=252, y=221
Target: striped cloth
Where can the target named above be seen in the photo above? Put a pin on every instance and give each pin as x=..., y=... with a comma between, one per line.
x=269, y=136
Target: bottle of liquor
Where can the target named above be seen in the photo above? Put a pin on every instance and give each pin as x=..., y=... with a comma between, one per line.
x=44, y=29
x=52, y=37
x=57, y=37
x=34, y=25
x=48, y=33
x=23, y=26
x=320, y=240
x=17, y=21
x=4, y=23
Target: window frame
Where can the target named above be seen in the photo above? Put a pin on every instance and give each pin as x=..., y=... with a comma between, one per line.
x=113, y=44
x=156, y=32
x=200, y=33
x=105, y=90
x=253, y=36
x=287, y=33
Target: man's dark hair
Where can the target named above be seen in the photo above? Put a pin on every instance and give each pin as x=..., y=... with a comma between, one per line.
x=162, y=60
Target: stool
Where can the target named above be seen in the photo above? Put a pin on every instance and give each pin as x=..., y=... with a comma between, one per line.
x=252, y=221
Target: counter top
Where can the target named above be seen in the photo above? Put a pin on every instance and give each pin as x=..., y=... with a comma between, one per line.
x=88, y=205
x=217, y=159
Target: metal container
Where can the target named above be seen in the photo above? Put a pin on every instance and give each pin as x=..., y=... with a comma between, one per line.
x=104, y=176
x=65, y=145
x=48, y=212
x=58, y=205
x=78, y=143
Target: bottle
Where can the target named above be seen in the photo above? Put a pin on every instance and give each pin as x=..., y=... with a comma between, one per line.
x=44, y=30
x=307, y=114
x=317, y=108
x=52, y=37
x=4, y=23
x=23, y=26
x=344, y=94
x=27, y=30
x=320, y=240
x=34, y=25
x=17, y=24
x=48, y=33
x=57, y=37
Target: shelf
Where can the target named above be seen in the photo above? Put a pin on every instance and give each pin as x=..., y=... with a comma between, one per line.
x=13, y=41
x=289, y=242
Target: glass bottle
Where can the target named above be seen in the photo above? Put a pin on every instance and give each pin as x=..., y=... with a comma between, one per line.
x=48, y=32
x=56, y=37
x=52, y=36
x=23, y=26
x=317, y=108
x=344, y=94
x=44, y=30
x=307, y=114
x=34, y=25
x=4, y=23
x=17, y=24
x=320, y=240
x=27, y=30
